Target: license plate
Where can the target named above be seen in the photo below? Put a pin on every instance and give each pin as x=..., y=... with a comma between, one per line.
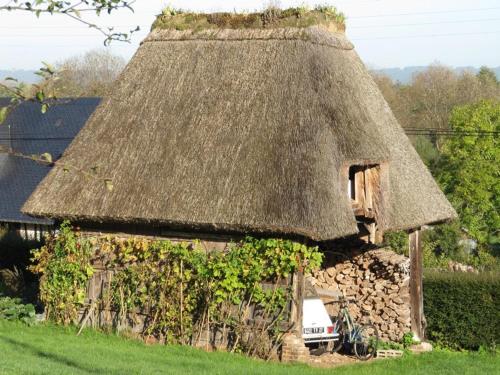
x=309, y=331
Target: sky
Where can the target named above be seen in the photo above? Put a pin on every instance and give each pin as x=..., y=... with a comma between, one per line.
x=386, y=33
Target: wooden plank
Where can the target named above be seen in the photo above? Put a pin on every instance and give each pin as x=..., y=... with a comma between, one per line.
x=368, y=190
x=298, y=289
x=359, y=183
x=416, y=288
x=293, y=307
x=300, y=301
x=389, y=353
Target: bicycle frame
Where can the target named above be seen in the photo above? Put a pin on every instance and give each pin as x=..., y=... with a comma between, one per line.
x=351, y=333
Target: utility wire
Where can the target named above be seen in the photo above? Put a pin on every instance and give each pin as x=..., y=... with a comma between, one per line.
x=36, y=138
x=424, y=23
x=355, y=38
x=427, y=35
x=422, y=13
x=349, y=27
x=348, y=18
x=450, y=132
x=408, y=131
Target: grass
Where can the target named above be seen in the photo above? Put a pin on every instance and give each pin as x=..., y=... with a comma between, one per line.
x=45, y=349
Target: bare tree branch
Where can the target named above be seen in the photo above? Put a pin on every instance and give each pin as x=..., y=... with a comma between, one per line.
x=74, y=9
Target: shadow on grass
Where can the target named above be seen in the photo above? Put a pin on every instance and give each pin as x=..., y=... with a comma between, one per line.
x=51, y=356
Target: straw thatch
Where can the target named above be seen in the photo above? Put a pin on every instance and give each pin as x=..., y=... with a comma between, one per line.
x=241, y=130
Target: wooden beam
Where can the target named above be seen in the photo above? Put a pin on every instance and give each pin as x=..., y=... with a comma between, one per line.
x=300, y=301
x=359, y=183
x=368, y=178
x=416, y=288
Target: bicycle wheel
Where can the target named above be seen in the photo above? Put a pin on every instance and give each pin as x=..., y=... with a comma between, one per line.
x=338, y=344
x=366, y=341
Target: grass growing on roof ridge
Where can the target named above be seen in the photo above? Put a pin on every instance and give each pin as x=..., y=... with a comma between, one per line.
x=46, y=349
x=270, y=18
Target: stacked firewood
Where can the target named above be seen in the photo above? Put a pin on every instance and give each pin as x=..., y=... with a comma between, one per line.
x=377, y=282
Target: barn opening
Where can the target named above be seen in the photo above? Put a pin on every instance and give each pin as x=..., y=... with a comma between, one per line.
x=364, y=193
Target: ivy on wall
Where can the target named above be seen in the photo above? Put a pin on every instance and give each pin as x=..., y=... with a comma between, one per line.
x=185, y=292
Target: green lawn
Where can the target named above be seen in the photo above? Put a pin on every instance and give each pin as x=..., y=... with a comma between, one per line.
x=55, y=350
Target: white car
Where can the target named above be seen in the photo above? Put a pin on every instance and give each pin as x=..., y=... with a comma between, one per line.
x=316, y=323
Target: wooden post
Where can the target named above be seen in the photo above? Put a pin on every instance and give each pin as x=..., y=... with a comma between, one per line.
x=298, y=302
x=416, y=288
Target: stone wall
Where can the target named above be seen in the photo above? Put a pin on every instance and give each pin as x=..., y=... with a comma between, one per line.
x=379, y=282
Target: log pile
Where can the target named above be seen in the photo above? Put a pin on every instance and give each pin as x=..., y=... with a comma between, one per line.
x=378, y=280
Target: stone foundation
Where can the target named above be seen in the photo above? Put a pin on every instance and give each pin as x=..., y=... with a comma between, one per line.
x=379, y=282
x=294, y=349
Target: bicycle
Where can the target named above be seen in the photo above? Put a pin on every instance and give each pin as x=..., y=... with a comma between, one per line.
x=363, y=338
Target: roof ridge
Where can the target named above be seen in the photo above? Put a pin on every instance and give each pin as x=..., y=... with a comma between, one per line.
x=313, y=34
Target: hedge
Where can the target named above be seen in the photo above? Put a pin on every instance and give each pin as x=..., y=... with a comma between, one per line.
x=462, y=309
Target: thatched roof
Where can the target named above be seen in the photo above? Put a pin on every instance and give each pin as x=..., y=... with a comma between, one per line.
x=240, y=130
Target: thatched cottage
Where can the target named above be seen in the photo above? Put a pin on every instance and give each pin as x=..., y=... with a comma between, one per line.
x=224, y=125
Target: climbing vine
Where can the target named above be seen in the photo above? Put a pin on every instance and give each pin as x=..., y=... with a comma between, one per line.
x=65, y=265
x=178, y=292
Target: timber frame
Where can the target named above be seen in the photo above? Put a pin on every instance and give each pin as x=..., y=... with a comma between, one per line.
x=418, y=322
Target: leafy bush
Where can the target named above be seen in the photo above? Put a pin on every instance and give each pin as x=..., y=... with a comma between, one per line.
x=13, y=309
x=397, y=241
x=431, y=259
x=446, y=239
x=462, y=309
x=441, y=244
x=471, y=168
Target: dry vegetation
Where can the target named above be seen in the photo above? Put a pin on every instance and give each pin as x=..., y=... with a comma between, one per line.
x=272, y=17
x=90, y=74
x=428, y=100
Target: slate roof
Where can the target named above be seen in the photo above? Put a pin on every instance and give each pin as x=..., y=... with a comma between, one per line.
x=28, y=131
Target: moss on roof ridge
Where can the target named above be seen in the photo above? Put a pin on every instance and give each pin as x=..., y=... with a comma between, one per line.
x=300, y=17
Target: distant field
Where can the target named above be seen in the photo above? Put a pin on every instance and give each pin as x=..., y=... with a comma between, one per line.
x=55, y=350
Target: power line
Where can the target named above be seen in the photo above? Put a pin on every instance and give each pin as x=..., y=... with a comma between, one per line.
x=444, y=129
x=408, y=130
x=145, y=27
x=348, y=18
x=65, y=35
x=450, y=132
x=428, y=35
x=36, y=138
x=355, y=38
x=423, y=13
x=424, y=23
x=66, y=27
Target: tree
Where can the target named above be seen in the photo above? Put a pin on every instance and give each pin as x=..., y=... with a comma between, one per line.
x=90, y=74
x=470, y=173
x=487, y=77
x=427, y=101
x=76, y=10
